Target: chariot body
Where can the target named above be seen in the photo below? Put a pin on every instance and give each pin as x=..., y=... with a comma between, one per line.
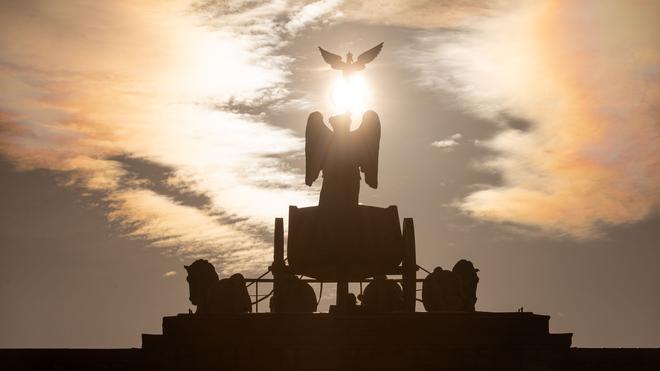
x=379, y=247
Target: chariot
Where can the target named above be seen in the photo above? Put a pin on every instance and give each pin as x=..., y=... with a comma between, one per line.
x=379, y=247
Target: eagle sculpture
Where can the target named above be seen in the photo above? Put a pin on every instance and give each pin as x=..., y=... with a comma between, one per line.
x=350, y=66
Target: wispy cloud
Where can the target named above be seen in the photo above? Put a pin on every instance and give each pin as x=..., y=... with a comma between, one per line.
x=447, y=144
x=430, y=14
x=310, y=13
x=586, y=75
x=108, y=92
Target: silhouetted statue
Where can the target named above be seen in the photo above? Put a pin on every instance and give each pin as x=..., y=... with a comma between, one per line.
x=382, y=295
x=212, y=295
x=230, y=295
x=467, y=273
x=442, y=291
x=339, y=240
x=349, y=66
x=341, y=154
x=293, y=295
x=201, y=276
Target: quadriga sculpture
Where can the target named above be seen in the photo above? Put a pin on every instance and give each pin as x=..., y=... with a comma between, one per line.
x=212, y=295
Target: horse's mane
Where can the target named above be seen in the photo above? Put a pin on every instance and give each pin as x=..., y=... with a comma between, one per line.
x=202, y=269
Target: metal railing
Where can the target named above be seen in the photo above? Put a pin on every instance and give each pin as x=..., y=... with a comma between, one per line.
x=258, y=299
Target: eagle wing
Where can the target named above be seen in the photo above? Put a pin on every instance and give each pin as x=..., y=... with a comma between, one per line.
x=317, y=140
x=366, y=143
x=332, y=59
x=369, y=55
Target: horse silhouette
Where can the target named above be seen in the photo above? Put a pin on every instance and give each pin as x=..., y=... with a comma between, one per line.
x=212, y=295
x=293, y=295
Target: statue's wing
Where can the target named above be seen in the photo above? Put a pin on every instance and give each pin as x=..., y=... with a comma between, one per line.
x=317, y=139
x=369, y=55
x=332, y=59
x=366, y=145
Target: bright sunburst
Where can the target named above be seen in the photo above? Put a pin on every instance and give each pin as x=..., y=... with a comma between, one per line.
x=350, y=94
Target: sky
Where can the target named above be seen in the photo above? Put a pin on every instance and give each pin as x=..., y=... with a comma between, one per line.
x=136, y=137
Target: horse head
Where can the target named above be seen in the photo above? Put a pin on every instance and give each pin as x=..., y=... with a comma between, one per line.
x=201, y=276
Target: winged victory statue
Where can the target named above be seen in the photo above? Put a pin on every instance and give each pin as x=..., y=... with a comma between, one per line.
x=341, y=154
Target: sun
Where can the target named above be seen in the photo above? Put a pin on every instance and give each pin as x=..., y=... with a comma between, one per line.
x=350, y=94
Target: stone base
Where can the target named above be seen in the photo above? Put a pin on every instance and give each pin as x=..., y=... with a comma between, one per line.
x=320, y=341
x=406, y=342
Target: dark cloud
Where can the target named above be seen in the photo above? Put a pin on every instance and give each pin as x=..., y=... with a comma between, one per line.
x=158, y=178
x=516, y=123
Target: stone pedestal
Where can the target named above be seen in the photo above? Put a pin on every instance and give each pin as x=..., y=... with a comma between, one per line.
x=321, y=341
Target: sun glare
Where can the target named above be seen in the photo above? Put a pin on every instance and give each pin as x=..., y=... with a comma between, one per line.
x=350, y=95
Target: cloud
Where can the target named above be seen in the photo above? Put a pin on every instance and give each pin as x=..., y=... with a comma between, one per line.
x=447, y=144
x=169, y=274
x=421, y=13
x=106, y=92
x=310, y=13
x=137, y=103
x=586, y=76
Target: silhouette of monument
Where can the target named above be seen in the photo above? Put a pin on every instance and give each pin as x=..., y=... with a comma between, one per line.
x=340, y=241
